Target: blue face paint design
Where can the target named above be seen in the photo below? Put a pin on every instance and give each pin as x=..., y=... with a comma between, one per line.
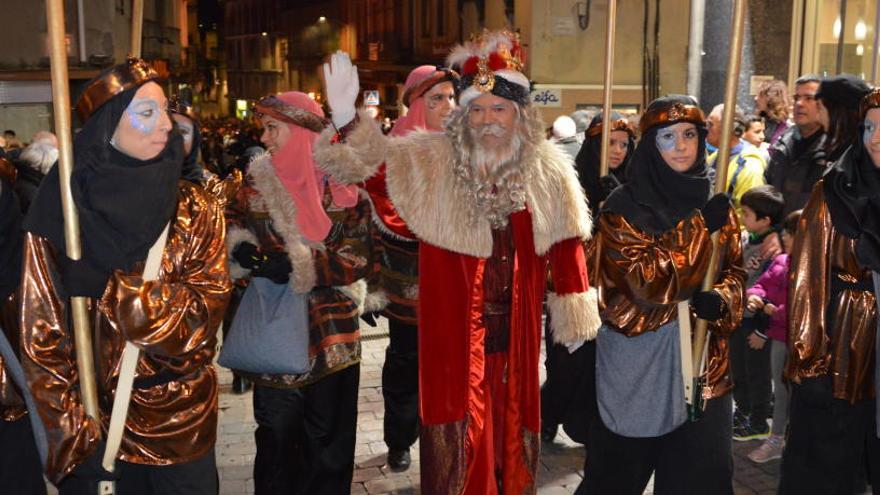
x=143, y=114
x=870, y=127
x=186, y=130
x=665, y=140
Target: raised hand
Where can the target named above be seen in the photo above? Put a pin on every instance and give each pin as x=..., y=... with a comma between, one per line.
x=342, y=87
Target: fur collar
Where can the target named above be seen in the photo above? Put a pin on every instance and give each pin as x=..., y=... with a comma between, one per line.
x=282, y=211
x=422, y=184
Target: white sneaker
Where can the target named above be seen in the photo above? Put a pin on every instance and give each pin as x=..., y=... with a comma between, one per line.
x=769, y=450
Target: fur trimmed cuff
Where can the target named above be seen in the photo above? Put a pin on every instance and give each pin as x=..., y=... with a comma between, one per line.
x=357, y=158
x=357, y=292
x=376, y=300
x=574, y=317
x=234, y=237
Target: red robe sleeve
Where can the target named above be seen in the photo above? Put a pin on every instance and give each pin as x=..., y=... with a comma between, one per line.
x=573, y=306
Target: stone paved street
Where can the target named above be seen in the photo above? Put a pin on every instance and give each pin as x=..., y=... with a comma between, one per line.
x=561, y=462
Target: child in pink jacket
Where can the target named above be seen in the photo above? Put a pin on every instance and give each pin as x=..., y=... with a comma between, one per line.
x=769, y=294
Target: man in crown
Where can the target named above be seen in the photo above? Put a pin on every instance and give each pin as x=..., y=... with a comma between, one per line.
x=493, y=205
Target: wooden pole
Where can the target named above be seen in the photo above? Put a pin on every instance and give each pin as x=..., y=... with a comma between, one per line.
x=610, y=29
x=61, y=105
x=137, y=27
x=733, y=63
x=609, y=82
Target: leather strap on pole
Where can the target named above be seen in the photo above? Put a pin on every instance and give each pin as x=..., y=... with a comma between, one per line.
x=127, y=368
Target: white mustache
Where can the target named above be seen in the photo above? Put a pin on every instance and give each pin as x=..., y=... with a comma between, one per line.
x=490, y=130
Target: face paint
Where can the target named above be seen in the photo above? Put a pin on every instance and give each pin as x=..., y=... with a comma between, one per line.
x=186, y=130
x=665, y=140
x=143, y=113
x=870, y=127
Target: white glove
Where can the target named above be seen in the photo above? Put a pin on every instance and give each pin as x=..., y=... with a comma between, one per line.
x=342, y=86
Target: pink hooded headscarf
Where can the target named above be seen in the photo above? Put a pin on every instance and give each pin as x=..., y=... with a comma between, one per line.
x=420, y=80
x=296, y=168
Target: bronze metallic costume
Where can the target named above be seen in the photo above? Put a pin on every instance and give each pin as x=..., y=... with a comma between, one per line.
x=173, y=413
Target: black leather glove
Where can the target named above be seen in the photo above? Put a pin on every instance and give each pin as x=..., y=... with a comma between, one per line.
x=369, y=319
x=80, y=278
x=275, y=266
x=715, y=212
x=85, y=477
x=609, y=183
x=247, y=255
x=709, y=305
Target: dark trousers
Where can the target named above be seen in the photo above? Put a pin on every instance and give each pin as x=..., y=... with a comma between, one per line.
x=20, y=469
x=830, y=442
x=694, y=459
x=568, y=395
x=198, y=477
x=750, y=370
x=305, y=436
x=400, y=386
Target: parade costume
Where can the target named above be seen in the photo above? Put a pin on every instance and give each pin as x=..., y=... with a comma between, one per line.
x=319, y=232
x=123, y=204
x=20, y=469
x=481, y=282
x=398, y=281
x=568, y=395
x=832, y=329
x=654, y=239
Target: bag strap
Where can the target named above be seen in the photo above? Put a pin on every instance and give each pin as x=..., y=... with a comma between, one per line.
x=18, y=377
x=127, y=367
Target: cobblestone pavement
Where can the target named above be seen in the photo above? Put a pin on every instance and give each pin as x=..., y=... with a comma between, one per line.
x=561, y=463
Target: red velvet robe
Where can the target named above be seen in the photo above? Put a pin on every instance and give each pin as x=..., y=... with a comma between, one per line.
x=455, y=382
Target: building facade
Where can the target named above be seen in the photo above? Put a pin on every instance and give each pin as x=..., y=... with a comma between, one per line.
x=98, y=34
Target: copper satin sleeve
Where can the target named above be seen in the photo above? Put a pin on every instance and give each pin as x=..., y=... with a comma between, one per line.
x=642, y=277
x=173, y=320
x=846, y=349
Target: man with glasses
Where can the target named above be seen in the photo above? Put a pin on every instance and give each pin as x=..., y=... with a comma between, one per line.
x=797, y=160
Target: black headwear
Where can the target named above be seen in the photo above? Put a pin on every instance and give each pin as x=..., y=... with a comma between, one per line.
x=123, y=203
x=587, y=162
x=852, y=193
x=656, y=197
x=192, y=169
x=844, y=90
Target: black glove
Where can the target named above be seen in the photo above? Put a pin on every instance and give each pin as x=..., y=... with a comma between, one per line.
x=80, y=278
x=247, y=255
x=609, y=183
x=715, y=212
x=275, y=266
x=87, y=475
x=369, y=319
x=709, y=305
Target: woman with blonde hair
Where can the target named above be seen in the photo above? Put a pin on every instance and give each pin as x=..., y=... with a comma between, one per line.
x=773, y=103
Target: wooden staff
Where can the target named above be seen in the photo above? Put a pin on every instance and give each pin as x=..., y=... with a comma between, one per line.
x=609, y=81
x=130, y=353
x=61, y=104
x=137, y=27
x=733, y=63
x=610, y=28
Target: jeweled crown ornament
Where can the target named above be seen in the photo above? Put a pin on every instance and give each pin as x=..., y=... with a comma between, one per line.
x=491, y=63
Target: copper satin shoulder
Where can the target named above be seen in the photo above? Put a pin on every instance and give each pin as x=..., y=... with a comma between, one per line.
x=642, y=277
x=845, y=350
x=173, y=320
